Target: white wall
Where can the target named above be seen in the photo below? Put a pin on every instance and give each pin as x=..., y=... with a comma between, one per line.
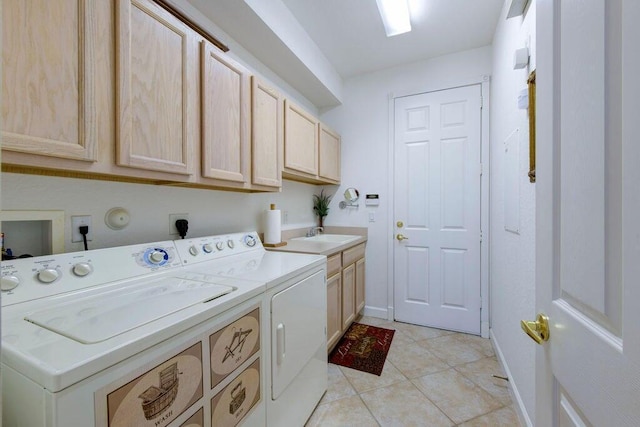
x=210, y=212
x=512, y=256
x=363, y=122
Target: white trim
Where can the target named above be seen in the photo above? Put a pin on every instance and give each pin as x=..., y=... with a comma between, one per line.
x=485, y=91
x=429, y=88
x=485, y=200
x=380, y=313
x=390, y=209
x=523, y=415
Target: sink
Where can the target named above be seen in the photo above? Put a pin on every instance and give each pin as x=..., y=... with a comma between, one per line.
x=328, y=238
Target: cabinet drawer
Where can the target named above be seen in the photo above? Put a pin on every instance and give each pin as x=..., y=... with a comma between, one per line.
x=334, y=264
x=352, y=255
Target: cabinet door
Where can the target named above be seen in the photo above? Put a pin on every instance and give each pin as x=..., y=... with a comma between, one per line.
x=360, y=268
x=329, y=155
x=266, y=135
x=300, y=140
x=48, y=104
x=157, y=91
x=225, y=116
x=334, y=309
x=348, y=295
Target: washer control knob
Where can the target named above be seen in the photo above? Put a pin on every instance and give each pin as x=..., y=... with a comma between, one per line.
x=8, y=283
x=156, y=257
x=230, y=243
x=207, y=248
x=193, y=250
x=220, y=246
x=82, y=269
x=249, y=240
x=48, y=275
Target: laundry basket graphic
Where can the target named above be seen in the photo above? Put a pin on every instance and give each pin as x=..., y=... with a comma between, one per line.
x=156, y=399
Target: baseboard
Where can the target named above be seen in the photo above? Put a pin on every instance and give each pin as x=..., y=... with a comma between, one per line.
x=375, y=312
x=515, y=394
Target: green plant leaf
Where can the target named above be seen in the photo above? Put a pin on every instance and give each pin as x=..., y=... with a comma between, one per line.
x=321, y=203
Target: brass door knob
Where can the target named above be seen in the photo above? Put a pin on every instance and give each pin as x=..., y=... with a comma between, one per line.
x=538, y=330
x=400, y=238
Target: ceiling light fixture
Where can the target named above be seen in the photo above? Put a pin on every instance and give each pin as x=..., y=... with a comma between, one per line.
x=395, y=16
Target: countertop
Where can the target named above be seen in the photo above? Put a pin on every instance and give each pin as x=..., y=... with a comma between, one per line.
x=321, y=248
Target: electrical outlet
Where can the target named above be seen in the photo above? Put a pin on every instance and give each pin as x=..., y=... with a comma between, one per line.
x=285, y=217
x=372, y=217
x=76, y=222
x=172, y=222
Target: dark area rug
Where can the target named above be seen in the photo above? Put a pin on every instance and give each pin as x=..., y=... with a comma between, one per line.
x=363, y=347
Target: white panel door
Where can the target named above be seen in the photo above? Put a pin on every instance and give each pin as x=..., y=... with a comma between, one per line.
x=588, y=206
x=437, y=198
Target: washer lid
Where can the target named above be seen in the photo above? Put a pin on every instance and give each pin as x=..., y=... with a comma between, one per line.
x=102, y=316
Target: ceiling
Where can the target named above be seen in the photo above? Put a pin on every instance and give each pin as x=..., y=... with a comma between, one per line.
x=351, y=35
x=315, y=44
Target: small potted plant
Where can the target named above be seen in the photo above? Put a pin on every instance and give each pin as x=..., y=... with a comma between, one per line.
x=321, y=205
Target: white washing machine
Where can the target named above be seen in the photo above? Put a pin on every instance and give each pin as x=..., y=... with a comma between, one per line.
x=296, y=300
x=212, y=331
x=129, y=336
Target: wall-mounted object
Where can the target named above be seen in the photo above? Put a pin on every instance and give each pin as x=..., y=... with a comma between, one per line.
x=532, y=126
x=351, y=196
x=520, y=58
x=523, y=99
x=511, y=183
x=372, y=200
x=517, y=8
x=35, y=233
x=117, y=218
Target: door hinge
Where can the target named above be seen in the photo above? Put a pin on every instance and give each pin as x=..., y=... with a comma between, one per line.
x=481, y=102
x=481, y=236
x=480, y=169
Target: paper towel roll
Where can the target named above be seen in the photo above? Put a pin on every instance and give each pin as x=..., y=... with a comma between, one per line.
x=272, y=226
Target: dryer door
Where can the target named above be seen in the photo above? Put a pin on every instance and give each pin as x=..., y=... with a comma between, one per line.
x=298, y=329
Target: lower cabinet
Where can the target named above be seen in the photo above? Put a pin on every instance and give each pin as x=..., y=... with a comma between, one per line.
x=334, y=296
x=348, y=295
x=360, y=268
x=345, y=291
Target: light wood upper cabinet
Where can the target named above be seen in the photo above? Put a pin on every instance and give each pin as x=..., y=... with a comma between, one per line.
x=329, y=154
x=266, y=135
x=123, y=90
x=156, y=89
x=300, y=142
x=311, y=149
x=225, y=116
x=48, y=105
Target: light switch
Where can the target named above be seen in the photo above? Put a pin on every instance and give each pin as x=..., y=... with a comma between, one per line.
x=372, y=217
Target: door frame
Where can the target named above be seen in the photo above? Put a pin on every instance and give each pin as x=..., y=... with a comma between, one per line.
x=484, y=81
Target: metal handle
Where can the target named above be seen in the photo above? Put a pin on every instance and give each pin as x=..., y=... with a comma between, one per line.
x=538, y=330
x=281, y=345
x=400, y=237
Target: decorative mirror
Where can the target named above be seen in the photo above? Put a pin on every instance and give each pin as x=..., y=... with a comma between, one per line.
x=351, y=196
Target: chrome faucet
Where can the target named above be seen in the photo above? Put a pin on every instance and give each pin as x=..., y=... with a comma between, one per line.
x=314, y=230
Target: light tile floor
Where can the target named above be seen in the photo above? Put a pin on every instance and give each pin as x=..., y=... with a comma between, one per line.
x=431, y=378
